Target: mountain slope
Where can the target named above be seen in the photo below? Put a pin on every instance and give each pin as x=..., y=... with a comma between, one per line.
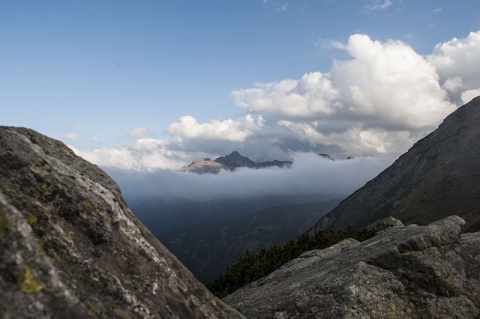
x=71, y=248
x=438, y=176
x=219, y=245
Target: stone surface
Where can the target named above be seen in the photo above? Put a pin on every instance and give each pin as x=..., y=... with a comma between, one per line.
x=403, y=272
x=437, y=176
x=71, y=248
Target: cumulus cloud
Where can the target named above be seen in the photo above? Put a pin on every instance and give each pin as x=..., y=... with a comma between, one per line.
x=312, y=95
x=380, y=98
x=145, y=154
x=357, y=140
x=468, y=95
x=456, y=62
x=231, y=130
x=388, y=85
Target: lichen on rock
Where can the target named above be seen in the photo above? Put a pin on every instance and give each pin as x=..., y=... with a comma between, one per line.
x=71, y=248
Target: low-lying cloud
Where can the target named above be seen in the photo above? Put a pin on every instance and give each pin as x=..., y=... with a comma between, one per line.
x=310, y=174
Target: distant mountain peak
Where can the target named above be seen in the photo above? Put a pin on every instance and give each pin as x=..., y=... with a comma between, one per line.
x=326, y=156
x=229, y=163
x=235, y=160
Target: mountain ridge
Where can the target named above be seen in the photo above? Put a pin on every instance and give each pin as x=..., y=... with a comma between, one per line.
x=437, y=176
x=230, y=163
x=219, y=244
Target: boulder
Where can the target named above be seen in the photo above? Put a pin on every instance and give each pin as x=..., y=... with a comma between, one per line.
x=403, y=272
x=71, y=248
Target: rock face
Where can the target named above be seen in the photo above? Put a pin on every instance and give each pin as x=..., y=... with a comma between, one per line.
x=229, y=163
x=403, y=272
x=440, y=174
x=71, y=248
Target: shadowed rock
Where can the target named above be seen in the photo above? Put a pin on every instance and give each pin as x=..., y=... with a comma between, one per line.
x=71, y=248
x=403, y=272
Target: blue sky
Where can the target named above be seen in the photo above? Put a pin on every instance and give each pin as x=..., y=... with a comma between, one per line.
x=156, y=84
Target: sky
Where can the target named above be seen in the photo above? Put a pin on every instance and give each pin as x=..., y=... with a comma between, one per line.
x=151, y=85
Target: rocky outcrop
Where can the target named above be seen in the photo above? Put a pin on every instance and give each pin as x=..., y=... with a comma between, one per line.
x=437, y=176
x=71, y=248
x=403, y=272
x=206, y=166
x=229, y=163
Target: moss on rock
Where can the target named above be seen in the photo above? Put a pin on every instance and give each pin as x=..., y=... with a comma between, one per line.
x=28, y=283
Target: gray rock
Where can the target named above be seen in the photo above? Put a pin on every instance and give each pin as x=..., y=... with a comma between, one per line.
x=71, y=248
x=403, y=272
x=385, y=223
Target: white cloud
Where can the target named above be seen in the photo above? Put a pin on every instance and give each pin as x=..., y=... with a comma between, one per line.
x=388, y=85
x=108, y=157
x=378, y=5
x=381, y=99
x=354, y=141
x=188, y=127
x=144, y=155
x=310, y=175
x=94, y=139
x=312, y=95
x=468, y=95
x=71, y=136
x=137, y=133
x=457, y=61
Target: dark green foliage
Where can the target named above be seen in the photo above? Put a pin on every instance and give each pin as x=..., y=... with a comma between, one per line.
x=251, y=267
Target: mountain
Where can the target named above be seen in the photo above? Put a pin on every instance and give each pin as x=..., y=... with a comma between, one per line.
x=229, y=163
x=206, y=166
x=326, y=156
x=219, y=245
x=71, y=248
x=169, y=215
x=403, y=272
x=438, y=176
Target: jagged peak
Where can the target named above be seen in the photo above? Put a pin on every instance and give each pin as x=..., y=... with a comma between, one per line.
x=230, y=162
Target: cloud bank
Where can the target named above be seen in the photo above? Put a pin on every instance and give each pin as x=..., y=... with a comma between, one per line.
x=310, y=174
x=380, y=100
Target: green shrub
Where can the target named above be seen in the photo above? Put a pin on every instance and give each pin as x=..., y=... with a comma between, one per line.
x=251, y=267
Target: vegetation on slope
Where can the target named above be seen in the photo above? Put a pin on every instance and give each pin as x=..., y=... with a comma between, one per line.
x=251, y=267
